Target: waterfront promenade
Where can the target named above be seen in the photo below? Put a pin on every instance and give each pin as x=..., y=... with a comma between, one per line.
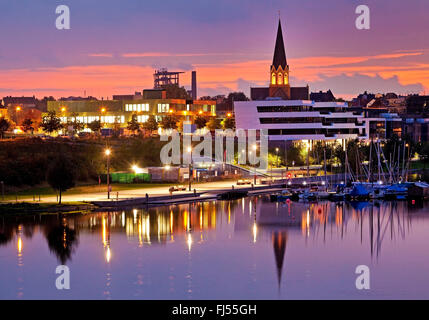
x=208, y=187
x=161, y=194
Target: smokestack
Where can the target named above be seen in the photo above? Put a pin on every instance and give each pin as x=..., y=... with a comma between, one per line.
x=194, y=85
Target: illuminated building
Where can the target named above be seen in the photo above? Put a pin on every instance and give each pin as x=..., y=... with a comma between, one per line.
x=287, y=113
x=111, y=112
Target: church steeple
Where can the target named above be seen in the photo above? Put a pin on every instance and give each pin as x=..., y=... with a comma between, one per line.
x=279, y=239
x=279, y=58
x=279, y=71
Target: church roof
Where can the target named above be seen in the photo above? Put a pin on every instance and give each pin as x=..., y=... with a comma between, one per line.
x=279, y=58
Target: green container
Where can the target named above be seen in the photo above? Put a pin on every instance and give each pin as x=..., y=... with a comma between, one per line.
x=125, y=177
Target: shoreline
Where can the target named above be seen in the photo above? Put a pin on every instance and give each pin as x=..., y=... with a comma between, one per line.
x=109, y=205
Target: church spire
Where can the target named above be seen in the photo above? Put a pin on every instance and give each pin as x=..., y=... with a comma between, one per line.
x=279, y=70
x=279, y=239
x=279, y=58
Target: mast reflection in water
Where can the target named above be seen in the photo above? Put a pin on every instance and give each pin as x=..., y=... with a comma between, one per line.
x=243, y=249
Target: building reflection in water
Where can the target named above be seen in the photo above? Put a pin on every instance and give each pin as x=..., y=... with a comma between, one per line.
x=192, y=225
x=279, y=239
x=20, y=279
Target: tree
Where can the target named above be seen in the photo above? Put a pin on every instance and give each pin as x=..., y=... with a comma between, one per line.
x=237, y=96
x=51, y=123
x=4, y=126
x=62, y=241
x=340, y=154
x=169, y=122
x=200, y=122
x=295, y=156
x=214, y=124
x=133, y=125
x=76, y=125
x=423, y=152
x=95, y=126
x=229, y=123
x=61, y=175
x=151, y=124
x=27, y=125
x=117, y=127
x=173, y=91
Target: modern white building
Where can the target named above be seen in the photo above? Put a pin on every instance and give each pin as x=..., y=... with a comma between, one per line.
x=300, y=119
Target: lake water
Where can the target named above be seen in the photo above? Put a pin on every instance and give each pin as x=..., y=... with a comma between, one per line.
x=244, y=249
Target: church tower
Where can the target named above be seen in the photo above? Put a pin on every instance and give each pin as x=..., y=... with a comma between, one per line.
x=279, y=71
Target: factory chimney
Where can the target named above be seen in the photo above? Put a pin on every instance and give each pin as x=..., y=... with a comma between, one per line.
x=194, y=85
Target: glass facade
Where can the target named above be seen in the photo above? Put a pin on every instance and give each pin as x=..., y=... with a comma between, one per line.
x=138, y=107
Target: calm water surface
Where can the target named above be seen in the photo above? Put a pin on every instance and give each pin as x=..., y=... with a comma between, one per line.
x=244, y=249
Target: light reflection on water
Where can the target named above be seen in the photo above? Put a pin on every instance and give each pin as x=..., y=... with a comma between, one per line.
x=244, y=249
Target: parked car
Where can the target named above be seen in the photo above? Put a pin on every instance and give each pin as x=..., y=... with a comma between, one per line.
x=243, y=181
x=178, y=188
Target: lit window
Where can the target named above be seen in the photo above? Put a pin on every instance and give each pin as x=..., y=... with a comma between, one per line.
x=273, y=78
x=163, y=107
x=280, y=79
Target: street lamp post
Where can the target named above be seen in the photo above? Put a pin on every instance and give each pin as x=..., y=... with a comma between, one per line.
x=277, y=156
x=107, y=152
x=254, y=166
x=277, y=160
x=166, y=168
x=190, y=167
x=18, y=109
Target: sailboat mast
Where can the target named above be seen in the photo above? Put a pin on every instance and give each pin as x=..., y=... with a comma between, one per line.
x=324, y=163
x=370, y=162
x=378, y=159
x=403, y=161
x=345, y=162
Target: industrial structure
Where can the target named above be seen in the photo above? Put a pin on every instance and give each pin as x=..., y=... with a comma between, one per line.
x=163, y=77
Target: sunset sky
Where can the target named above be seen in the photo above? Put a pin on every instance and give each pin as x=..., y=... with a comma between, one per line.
x=114, y=46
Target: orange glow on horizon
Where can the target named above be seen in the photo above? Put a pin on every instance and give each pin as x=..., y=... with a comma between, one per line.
x=97, y=78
